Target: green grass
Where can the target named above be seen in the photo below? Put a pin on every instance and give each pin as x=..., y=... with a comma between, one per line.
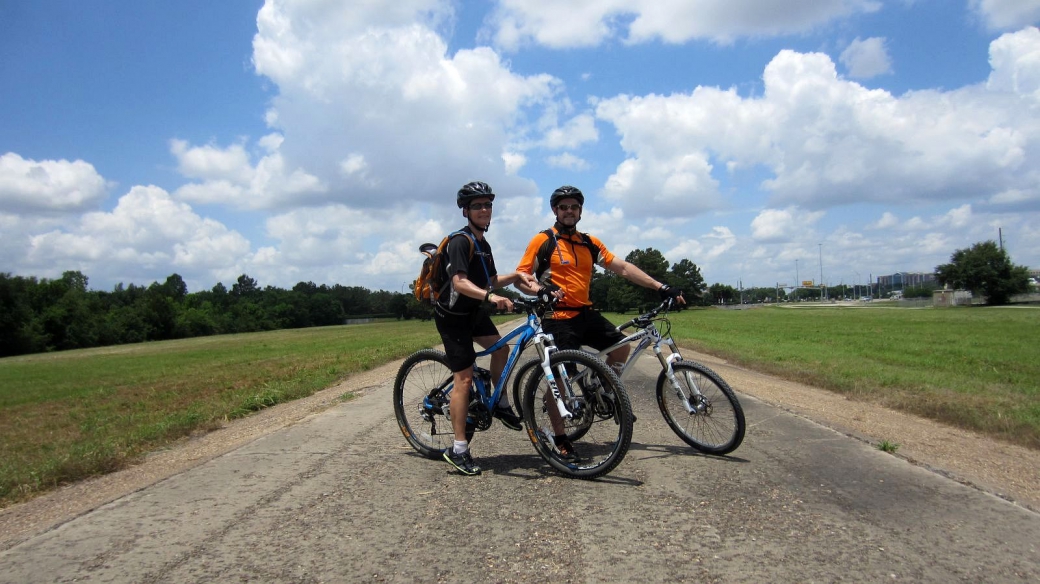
x=886, y=446
x=66, y=416
x=976, y=368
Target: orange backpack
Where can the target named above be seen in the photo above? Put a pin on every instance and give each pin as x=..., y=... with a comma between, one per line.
x=433, y=274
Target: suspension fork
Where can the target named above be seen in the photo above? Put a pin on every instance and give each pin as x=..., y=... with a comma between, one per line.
x=669, y=372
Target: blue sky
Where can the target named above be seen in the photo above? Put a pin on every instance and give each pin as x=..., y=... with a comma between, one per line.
x=322, y=141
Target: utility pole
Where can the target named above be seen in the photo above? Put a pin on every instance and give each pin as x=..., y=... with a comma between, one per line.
x=823, y=288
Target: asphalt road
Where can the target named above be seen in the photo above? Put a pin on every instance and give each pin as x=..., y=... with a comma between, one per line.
x=340, y=497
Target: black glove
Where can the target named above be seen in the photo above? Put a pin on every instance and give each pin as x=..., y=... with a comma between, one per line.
x=546, y=292
x=669, y=293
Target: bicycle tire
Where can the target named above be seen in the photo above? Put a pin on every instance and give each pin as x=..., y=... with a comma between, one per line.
x=718, y=427
x=603, y=435
x=424, y=374
x=520, y=376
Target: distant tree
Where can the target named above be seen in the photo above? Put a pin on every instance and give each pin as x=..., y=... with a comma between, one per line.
x=600, y=288
x=984, y=269
x=75, y=280
x=245, y=287
x=353, y=299
x=20, y=332
x=761, y=294
x=159, y=311
x=923, y=291
x=655, y=265
x=175, y=288
x=723, y=294
x=623, y=296
x=686, y=276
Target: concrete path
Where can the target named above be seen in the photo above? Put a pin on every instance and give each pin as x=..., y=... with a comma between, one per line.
x=341, y=497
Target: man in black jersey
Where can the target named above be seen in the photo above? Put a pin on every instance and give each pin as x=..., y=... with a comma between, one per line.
x=462, y=314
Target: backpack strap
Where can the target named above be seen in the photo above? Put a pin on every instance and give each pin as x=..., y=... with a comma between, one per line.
x=553, y=244
x=473, y=246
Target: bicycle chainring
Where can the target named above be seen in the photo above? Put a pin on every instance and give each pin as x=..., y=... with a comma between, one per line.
x=479, y=414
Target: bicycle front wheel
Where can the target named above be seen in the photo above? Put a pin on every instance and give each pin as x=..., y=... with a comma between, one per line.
x=714, y=422
x=600, y=429
x=421, y=393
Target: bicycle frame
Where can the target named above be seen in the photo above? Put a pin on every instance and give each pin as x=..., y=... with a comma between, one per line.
x=648, y=336
x=525, y=334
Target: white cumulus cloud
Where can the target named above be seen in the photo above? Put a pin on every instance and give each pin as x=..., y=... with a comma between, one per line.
x=229, y=178
x=353, y=82
x=48, y=186
x=866, y=58
x=831, y=142
x=147, y=232
x=1006, y=14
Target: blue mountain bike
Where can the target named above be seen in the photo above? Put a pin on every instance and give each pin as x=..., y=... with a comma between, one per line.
x=573, y=386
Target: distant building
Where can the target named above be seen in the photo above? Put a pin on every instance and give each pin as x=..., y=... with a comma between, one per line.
x=904, y=280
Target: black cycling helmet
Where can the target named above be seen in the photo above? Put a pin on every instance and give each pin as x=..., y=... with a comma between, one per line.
x=566, y=192
x=473, y=190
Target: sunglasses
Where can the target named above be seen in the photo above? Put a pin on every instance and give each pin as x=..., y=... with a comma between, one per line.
x=479, y=206
x=574, y=207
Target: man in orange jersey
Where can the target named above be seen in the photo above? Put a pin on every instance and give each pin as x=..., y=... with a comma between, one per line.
x=562, y=257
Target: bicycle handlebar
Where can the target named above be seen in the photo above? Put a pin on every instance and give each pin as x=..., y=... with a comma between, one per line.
x=537, y=304
x=645, y=318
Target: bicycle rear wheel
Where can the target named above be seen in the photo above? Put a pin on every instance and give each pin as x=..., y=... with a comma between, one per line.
x=601, y=427
x=421, y=391
x=716, y=424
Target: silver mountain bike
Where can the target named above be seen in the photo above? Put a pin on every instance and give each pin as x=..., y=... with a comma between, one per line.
x=698, y=405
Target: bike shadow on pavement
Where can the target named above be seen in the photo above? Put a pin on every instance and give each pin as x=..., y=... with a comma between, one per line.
x=664, y=450
x=532, y=467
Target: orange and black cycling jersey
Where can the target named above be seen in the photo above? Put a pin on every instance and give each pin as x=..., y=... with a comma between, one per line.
x=569, y=266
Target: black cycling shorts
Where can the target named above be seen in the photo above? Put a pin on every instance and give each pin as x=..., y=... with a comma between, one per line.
x=457, y=333
x=589, y=328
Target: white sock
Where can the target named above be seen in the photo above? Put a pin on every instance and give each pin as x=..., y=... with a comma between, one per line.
x=461, y=447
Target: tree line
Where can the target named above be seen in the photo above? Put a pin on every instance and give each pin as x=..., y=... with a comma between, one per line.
x=38, y=314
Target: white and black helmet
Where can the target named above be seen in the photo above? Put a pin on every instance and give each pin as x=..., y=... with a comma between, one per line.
x=473, y=190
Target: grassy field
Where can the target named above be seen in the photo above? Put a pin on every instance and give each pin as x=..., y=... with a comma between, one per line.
x=70, y=415
x=66, y=416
